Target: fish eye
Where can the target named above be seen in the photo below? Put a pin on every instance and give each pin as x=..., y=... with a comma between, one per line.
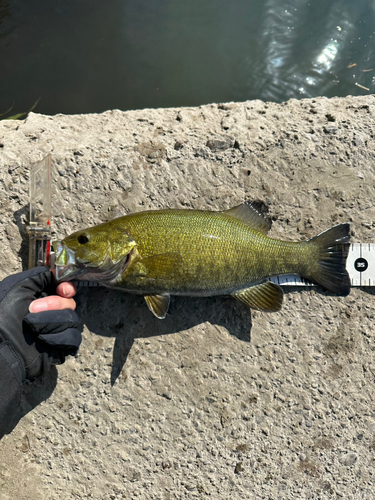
x=82, y=239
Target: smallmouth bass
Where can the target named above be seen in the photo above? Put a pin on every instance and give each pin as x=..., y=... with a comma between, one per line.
x=201, y=253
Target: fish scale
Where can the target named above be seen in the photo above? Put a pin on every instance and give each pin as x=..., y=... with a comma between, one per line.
x=224, y=252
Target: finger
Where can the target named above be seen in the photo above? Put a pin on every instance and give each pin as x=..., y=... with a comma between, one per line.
x=50, y=303
x=66, y=289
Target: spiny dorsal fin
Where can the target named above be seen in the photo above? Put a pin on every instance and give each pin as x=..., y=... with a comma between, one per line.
x=253, y=215
x=265, y=297
x=158, y=304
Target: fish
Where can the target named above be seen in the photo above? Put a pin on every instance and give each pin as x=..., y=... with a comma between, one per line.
x=159, y=253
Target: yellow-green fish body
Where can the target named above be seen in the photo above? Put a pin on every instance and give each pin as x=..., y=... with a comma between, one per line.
x=191, y=252
x=201, y=253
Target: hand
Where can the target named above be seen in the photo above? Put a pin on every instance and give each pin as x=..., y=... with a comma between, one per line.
x=37, y=327
x=63, y=300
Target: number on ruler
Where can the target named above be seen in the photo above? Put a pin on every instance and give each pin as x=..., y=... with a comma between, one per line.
x=361, y=264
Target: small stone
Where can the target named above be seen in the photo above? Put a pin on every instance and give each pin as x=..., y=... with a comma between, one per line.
x=253, y=398
x=167, y=394
x=326, y=486
x=242, y=448
x=330, y=117
x=226, y=106
x=330, y=130
x=348, y=459
x=239, y=468
x=136, y=476
x=220, y=144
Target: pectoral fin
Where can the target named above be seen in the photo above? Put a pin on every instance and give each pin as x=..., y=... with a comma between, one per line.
x=265, y=297
x=158, y=304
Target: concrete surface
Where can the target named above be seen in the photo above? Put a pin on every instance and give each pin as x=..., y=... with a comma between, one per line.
x=215, y=401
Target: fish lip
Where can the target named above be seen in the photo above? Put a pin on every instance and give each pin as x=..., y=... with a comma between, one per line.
x=70, y=269
x=68, y=273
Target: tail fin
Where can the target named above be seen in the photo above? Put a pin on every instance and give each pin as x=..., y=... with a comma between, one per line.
x=332, y=247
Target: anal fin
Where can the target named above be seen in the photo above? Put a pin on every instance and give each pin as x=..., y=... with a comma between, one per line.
x=158, y=304
x=266, y=297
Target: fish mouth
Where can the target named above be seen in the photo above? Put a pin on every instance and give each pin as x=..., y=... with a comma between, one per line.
x=66, y=267
x=108, y=273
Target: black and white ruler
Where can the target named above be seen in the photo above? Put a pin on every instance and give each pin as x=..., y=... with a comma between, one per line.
x=360, y=265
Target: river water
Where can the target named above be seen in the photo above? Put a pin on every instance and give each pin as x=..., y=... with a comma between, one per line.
x=81, y=56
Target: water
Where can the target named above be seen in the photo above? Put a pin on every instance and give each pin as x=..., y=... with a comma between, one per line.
x=82, y=56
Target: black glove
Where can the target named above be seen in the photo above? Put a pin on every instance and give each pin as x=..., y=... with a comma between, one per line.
x=32, y=342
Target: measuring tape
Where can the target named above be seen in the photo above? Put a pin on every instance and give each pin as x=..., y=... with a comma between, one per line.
x=359, y=264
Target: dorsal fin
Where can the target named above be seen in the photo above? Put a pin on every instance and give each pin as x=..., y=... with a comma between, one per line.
x=253, y=215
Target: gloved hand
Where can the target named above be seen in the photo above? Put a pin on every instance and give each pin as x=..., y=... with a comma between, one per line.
x=31, y=342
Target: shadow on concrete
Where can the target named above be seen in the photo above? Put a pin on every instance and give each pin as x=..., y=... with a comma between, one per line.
x=112, y=313
x=32, y=395
x=21, y=218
